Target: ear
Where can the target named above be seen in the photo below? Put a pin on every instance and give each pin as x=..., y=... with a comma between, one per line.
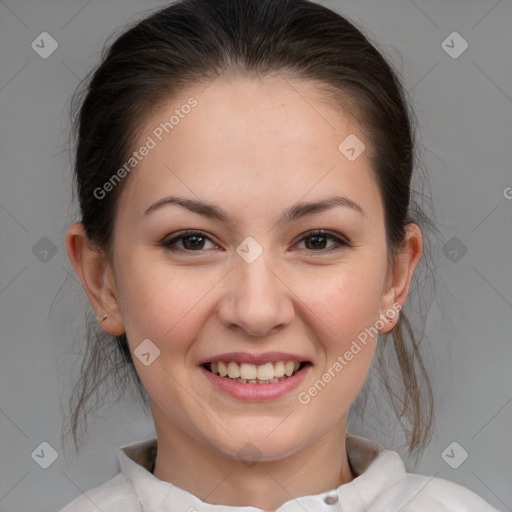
x=95, y=273
x=398, y=280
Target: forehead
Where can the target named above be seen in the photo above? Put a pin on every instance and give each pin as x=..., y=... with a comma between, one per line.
x=258, y=141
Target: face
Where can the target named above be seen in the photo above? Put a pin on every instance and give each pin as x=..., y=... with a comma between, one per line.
x=252, y=284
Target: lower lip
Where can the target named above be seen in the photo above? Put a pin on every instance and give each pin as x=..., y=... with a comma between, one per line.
x=255, y=392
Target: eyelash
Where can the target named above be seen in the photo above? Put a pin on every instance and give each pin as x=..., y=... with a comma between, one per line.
x=317, y=232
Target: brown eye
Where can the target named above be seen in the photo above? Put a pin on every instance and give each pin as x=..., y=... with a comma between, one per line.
x=316, y=241
x=192, y=241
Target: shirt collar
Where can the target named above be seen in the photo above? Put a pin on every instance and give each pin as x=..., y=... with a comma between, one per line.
x=377, y=469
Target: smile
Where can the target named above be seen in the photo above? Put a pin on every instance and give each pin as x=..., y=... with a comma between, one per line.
x=262, y=382
x=247, y=373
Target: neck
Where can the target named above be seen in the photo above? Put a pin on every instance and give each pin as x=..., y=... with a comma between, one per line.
x=216, y=478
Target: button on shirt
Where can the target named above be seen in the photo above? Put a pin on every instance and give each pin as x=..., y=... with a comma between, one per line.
x=381, y=484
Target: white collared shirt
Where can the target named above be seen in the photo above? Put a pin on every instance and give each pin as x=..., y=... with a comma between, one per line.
x=381, y=485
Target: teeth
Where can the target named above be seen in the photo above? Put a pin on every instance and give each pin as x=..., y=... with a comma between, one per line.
x=253, y=381
x=265, y=371
x=278, y=369
x=233, y=370
x=288, y=368
x=248, y=373
x=222, y=369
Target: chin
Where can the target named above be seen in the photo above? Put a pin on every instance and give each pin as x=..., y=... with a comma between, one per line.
x=259, y=446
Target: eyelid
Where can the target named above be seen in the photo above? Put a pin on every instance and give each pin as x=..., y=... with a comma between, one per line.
x=340, y=240
x=168, y=243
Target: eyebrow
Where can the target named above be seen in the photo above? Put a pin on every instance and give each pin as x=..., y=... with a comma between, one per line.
x=293, y=213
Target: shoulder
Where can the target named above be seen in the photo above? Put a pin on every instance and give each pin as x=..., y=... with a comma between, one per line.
x=115, y=495
x=419, y=493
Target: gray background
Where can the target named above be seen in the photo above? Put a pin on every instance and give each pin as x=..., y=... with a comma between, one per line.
x=464, y=106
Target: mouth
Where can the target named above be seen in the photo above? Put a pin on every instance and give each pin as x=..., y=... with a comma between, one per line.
x=248, y=373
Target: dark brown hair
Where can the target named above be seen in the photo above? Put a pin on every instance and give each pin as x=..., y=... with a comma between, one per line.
x=192, y=42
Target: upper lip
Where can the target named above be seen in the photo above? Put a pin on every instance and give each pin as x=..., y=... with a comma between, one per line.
x=257, y=359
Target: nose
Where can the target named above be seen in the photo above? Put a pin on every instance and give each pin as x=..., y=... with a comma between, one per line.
x=257, y=299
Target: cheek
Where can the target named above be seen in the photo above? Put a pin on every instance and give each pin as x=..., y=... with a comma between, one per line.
x=155, y=298
x=347, y=300
x=344, y=317
x=160, y=308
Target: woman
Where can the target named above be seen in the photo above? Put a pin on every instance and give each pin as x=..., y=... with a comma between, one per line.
x=243, y=170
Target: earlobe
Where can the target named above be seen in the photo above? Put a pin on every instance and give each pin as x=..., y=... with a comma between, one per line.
x=406, y=260
x=95, y=273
